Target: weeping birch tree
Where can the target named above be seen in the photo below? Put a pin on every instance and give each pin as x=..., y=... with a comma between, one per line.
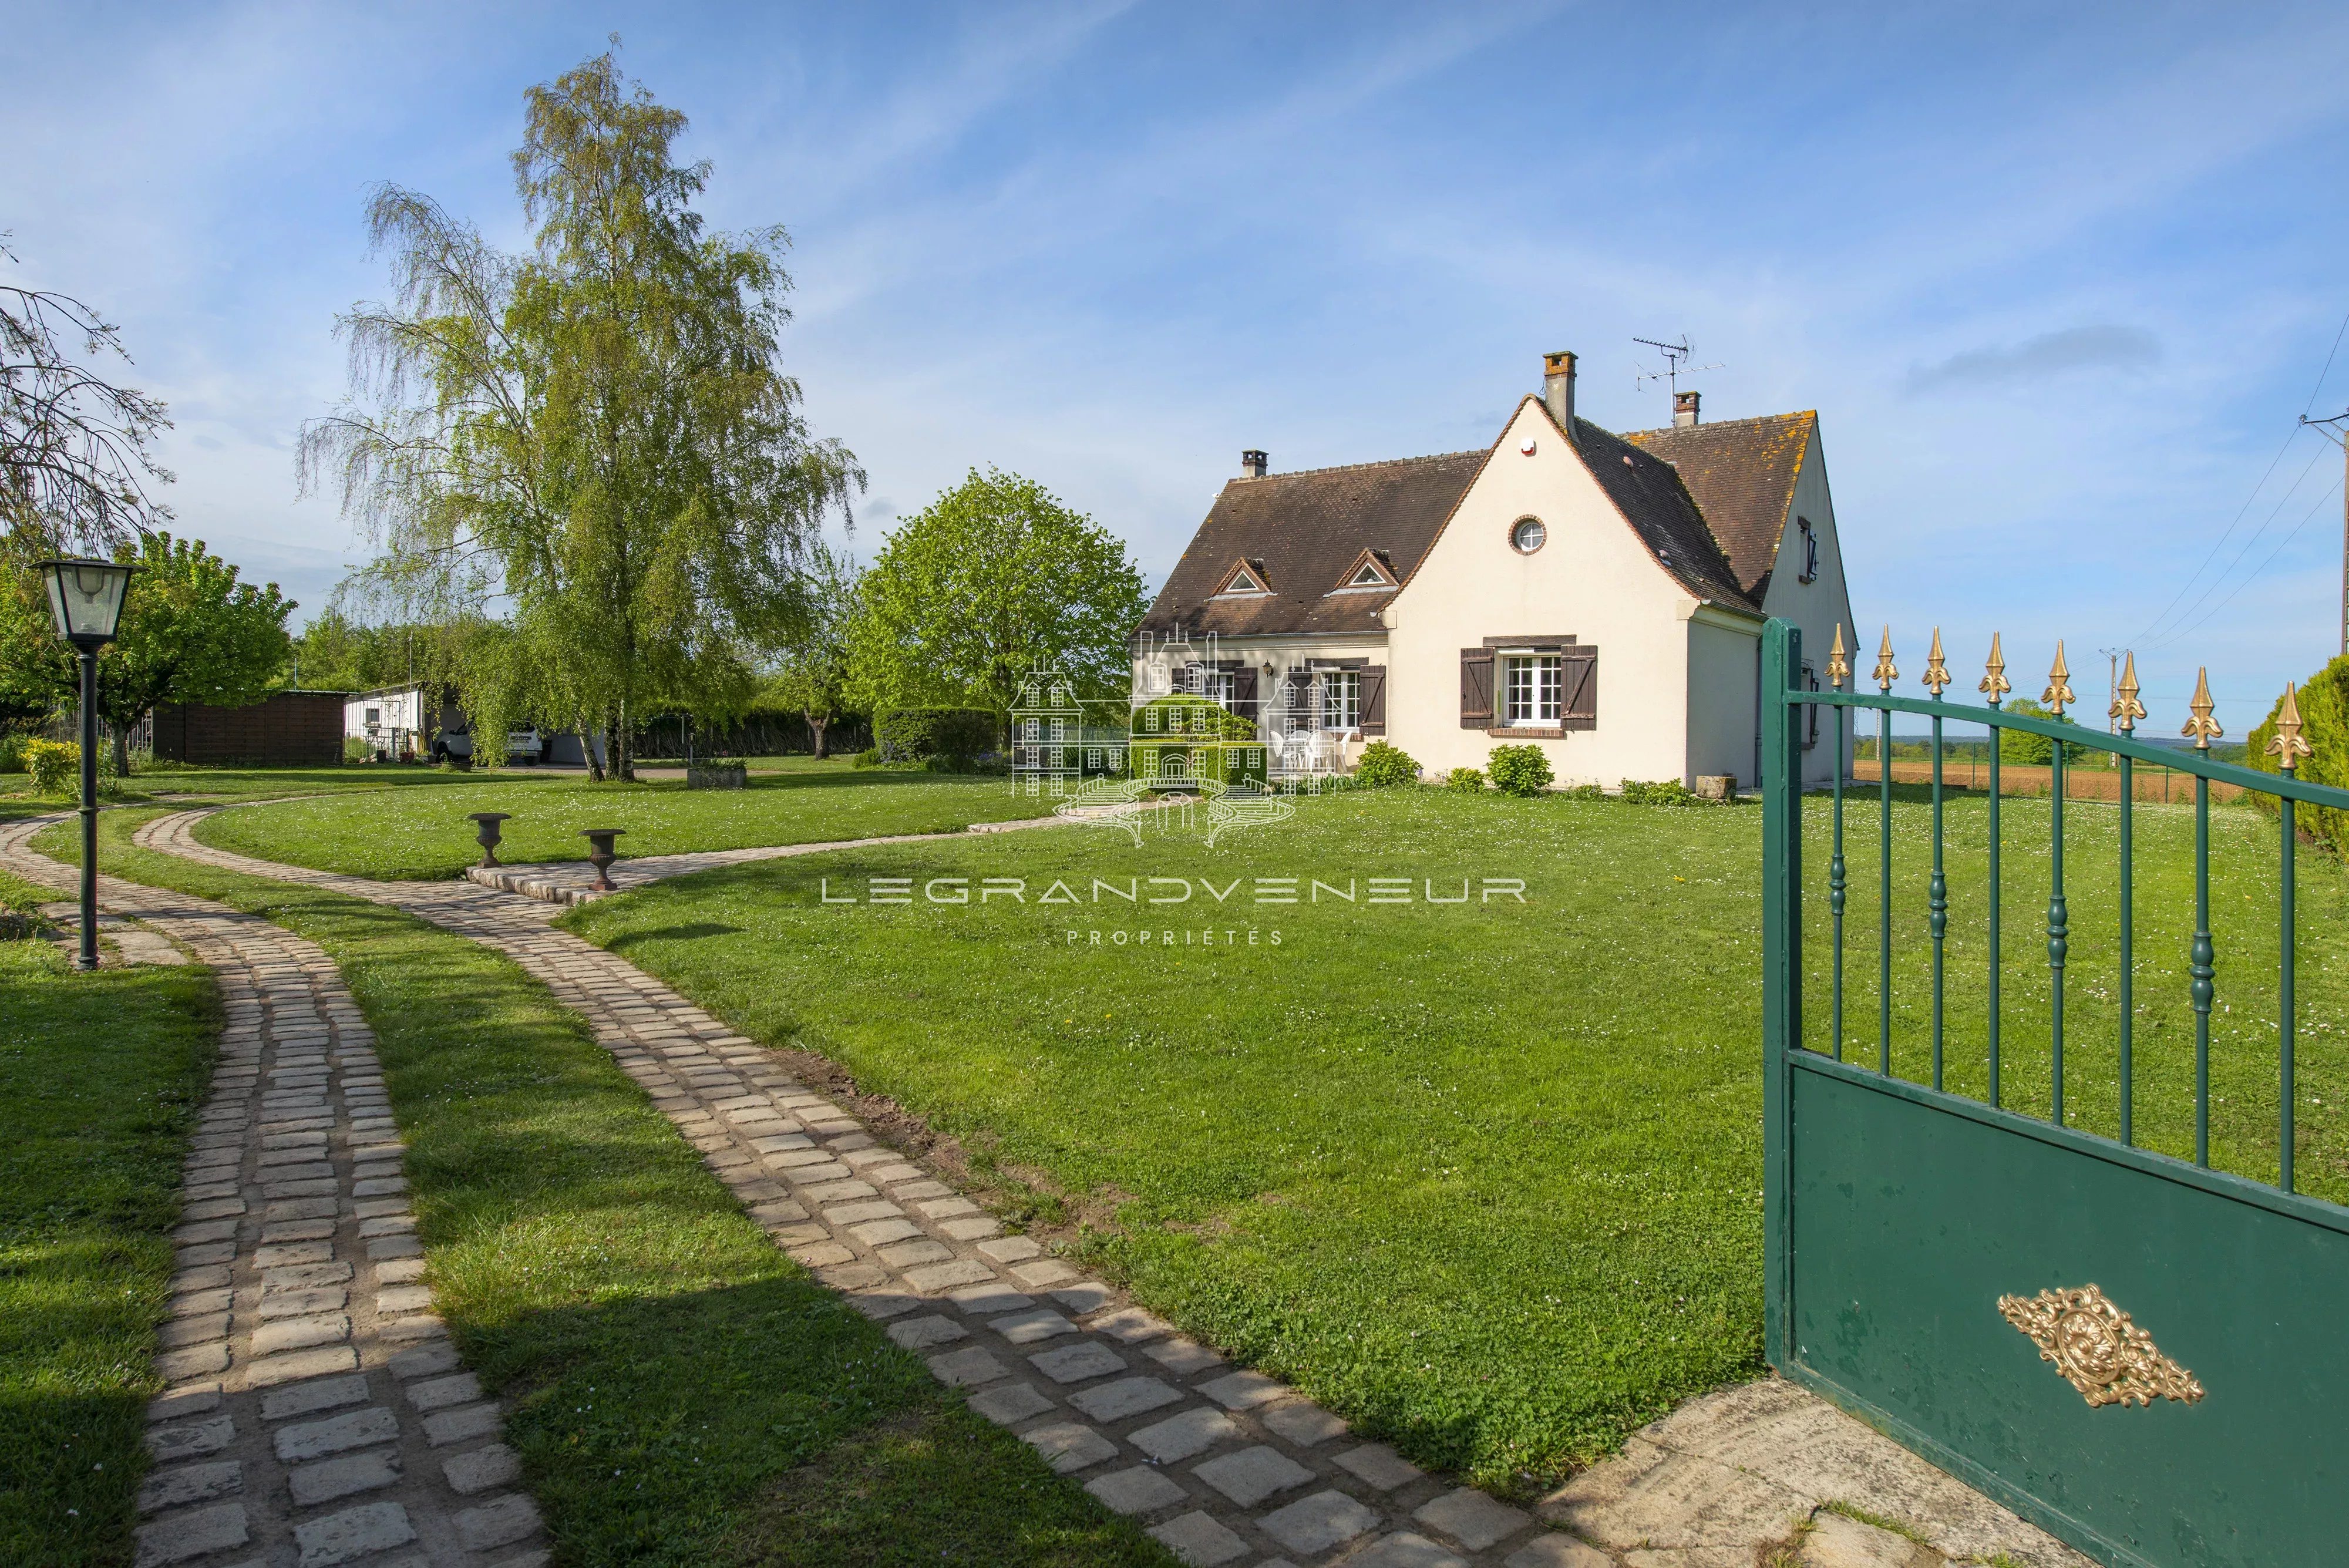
x=597, y=433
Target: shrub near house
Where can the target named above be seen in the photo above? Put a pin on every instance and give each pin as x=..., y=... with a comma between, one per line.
x=917, y=734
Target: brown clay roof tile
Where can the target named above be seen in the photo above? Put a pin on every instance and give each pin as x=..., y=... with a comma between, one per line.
x=1741, y=474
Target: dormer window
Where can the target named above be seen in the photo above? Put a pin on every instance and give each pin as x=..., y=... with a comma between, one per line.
x=1245, y=577
x=1369, y=574
x=1810, y=571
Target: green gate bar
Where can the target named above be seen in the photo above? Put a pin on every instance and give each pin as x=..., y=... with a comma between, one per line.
x=2125, y=712
x=1995, y=685
x=2204, y=729
x=1835, y=882
x=1884, y=898
x=1885, y=676
x=1937, y=892
x=2288, y=748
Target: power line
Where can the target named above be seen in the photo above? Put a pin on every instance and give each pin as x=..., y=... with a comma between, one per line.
x=2257, y=533
x=2331, y=490
x=2186, y=587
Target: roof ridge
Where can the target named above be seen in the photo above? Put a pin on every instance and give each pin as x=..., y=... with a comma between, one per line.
x=1342, y=467
x=1720, y=424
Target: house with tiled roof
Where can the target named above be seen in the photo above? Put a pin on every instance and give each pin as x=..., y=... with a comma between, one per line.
x=1601, y=596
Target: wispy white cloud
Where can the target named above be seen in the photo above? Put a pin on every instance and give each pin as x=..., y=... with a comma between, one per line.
x=2072, y=348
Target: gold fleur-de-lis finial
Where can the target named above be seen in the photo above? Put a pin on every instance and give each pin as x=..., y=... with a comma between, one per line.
x=2059, y=687
x=2203, y=727
x=2287, y=744
x=2126, y=706
x=1937, y=673
x=1839, y=667
x=1886, y=674
x=1994, y=681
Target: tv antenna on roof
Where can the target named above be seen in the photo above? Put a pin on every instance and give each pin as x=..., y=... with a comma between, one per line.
x=1673, y=353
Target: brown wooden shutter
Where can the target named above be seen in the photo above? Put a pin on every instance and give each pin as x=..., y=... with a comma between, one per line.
x=1475, y=688
x=1578, y=670
x=1244, y=697
x=1375, y=700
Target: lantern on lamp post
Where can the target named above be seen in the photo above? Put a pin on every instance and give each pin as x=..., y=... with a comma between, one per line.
x=86, y=598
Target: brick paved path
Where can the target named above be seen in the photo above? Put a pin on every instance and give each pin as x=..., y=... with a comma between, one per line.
x=316, y=1412
x=1224, y=1466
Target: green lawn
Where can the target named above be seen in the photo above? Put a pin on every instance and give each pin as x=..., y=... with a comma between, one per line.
x=99, y=1075
x=682, y=1392
x=1484, y=1178
x=169, y=784
x=424, y=834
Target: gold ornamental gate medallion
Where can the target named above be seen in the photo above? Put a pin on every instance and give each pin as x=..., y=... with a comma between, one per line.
x=2098, y=1350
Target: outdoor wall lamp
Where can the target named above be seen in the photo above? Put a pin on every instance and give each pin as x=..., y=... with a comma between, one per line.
x=86, y=598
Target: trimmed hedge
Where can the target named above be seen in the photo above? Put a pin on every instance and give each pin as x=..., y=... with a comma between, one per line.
x=1217, y=745
x=917, y=734
x=2324, y=725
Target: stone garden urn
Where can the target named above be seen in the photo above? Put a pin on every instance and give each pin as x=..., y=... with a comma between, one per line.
x=489, y=835
x=600, y=856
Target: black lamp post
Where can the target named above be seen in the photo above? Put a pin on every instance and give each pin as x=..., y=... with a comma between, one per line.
x=86, y=597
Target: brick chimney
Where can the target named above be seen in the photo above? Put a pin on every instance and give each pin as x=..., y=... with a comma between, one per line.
x=1684, y=410
x=1557, y=388
x=1253, y=463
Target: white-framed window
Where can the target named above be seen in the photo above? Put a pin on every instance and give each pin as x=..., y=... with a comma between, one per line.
x=1527, y=534
x=1220, y=686
x=1341, y=699
x=1534, y=690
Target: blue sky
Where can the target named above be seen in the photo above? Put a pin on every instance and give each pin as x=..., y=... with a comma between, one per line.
x=2059, y=280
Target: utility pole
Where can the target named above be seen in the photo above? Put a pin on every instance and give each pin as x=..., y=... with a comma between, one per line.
x=2320, y=425
x=2112, y=683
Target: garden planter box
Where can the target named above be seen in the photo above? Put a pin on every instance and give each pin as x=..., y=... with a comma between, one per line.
x=736, y=776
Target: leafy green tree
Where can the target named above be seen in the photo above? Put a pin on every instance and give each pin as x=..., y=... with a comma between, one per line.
x=2022, y=746
x=191, y=632
x=335, y=653
x=812, y=672
x=599, y=430
x=994, y=579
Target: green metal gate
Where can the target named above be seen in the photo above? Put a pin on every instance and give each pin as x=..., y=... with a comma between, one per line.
x=2146, y=1356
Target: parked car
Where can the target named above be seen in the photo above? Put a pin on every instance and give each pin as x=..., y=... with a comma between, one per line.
x=522, y=746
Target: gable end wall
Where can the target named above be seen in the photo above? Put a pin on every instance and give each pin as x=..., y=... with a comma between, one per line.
x=1593, y=580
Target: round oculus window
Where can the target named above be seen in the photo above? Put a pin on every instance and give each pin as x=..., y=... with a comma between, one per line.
x=1527, y=535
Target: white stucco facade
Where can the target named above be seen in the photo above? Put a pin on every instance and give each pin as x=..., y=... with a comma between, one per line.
x=1592, y=581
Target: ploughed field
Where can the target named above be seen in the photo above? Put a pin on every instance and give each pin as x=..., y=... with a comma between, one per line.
x=1484, y=1176
x=414, y=833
